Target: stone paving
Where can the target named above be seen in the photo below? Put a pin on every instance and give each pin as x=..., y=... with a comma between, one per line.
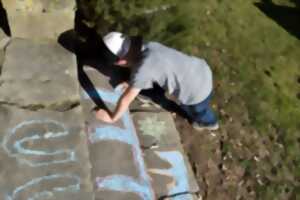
x=164, y=155
x=39, y=19
x=51, y=144
x=160, y=165
x=42, y=153
x=44, y=75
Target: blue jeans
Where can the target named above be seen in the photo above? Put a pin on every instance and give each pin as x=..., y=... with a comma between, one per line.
x=201, y=112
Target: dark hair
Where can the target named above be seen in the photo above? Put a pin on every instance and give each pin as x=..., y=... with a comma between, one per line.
x=134, y=54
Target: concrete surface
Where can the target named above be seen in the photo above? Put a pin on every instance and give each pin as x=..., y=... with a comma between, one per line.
x=117, y=161
x=156, y=129
x=39, y=18
x=44, y=75
x=3, y=43
x=166, y=161
x=43, y=154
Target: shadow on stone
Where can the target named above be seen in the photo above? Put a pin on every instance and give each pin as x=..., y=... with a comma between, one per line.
x=286, y=17
x=69, y=40
x=4, y=20
x=89, y=52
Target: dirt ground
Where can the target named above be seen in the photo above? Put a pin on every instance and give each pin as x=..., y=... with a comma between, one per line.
x=235, y=162
x=207, y=158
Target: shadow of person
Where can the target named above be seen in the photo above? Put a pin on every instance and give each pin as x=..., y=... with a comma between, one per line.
x=4, y=20
x=93, y=53
x=286, y=17
x=88, y=53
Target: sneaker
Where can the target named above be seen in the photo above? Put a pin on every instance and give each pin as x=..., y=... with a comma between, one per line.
x=200, y=127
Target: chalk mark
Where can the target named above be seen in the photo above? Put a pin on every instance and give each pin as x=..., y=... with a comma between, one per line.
x=143, y=185
x=46, y=193
x=153, y=127
x=178, y=172
x=17, y=150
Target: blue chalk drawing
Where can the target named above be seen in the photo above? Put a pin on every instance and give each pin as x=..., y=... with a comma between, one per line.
x=48, y=193
x=123, y=183
x=141, y=187
x=178, y=171
x=112, y=133
x=19, y=152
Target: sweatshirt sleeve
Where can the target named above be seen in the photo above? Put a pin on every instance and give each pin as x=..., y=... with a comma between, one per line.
x=141, y=79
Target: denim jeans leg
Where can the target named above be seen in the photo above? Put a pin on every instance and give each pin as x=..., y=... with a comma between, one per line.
x=188, y=111
x=201, y=112
x=206, y=116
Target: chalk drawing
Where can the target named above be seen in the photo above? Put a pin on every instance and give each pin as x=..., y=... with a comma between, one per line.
x=24, y=155
x=178, y=172
x=123, y=183
x=13, y=145
x=41, y=181
x=141, y=187
x=152, y=126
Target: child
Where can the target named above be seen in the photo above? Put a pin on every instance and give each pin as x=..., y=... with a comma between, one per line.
x=188, y=78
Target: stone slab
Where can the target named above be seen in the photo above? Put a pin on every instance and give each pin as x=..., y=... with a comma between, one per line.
x=171, y=173
x=39, y=74
x=43, y=154
x=144, y=104
x=4, y=40
x=118, y=168
x=172, y=176
x=105, y=76
x=165, y=158
x=113, y=195
x=39, y=5
x=74, y=196
x=156, y=129
x=39, y=18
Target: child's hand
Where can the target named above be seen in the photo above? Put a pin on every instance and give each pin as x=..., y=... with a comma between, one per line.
x=104, y=116
x=122, y=87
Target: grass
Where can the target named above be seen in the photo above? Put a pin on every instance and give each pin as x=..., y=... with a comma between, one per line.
x=256, y=63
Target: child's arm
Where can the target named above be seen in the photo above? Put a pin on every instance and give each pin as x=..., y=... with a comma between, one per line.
x=122, y=105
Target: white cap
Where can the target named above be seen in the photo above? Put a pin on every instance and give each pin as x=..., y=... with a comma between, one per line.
x=117, y=43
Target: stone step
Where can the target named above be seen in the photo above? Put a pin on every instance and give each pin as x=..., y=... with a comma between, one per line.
x=43, y=154
x=119, y=165
x=165, y=158
x=4, y=40
x=118, y=168
x=39, y=18
x=39, y=74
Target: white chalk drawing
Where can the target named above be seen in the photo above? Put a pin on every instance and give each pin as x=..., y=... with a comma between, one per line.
x=141, y=187
x=13, y=144
x=152, y=126
x=73, y=187
x=14, y=147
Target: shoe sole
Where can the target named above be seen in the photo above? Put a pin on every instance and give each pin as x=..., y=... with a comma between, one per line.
x=211, y=128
